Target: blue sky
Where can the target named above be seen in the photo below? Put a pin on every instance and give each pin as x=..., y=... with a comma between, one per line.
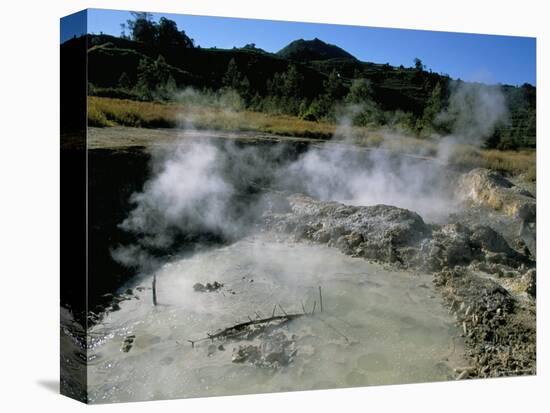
x=472, y=57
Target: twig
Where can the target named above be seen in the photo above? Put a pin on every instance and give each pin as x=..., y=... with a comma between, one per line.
x=234, y=330
x=155, y=289
x=335, y=329
x=240, y=328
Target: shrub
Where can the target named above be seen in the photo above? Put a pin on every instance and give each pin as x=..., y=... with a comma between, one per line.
x=97, y=118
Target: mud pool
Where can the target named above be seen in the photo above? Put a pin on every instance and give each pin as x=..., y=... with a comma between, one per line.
x=378, y=326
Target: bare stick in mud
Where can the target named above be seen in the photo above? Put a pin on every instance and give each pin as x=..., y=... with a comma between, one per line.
x=320, y=299
x=238, y=329
x=154, y=289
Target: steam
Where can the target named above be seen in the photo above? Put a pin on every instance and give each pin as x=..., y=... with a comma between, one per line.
x=474, y=112
x=201, y=191
x=219, y=187
x=348, y=175
x=187, y=193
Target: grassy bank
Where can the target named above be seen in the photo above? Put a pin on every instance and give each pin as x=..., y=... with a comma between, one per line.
x=108, y=112
x=522, y=162
x=105, y=112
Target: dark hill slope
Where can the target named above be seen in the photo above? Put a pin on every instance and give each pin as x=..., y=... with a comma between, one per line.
x=394, y=88
x=405, y=89
x=308, y=50
x=109, y=57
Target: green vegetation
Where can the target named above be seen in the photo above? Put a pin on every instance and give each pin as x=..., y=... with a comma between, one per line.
x=211, y=112
x=308, y=79
x=306, y=83
x=163, y=34
x=207, y=112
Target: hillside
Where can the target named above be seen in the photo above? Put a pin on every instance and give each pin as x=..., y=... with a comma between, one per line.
x=305, y=78
x=316, y=49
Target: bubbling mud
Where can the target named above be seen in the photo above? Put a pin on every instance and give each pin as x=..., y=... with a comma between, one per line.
x=378, y=326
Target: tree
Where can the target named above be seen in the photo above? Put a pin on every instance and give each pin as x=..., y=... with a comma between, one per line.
x=360, y=91
x=235, y=80
x=164, y=34
x=287, y=84
x=162, y=69
x=143, y=28
x=124, y=81
x=244, y=89
x=361, y=94
x=293, y=82
x=232, y=77
x=153, y=76
x=357, y=74
x=418, y=65
x=169, y=35
x=324, y=106
x=334, y=88
x=434, y=106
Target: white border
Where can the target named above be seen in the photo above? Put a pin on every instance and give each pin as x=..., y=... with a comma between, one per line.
x=29, y=214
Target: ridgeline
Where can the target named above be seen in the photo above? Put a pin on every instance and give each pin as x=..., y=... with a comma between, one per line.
x=309, y=79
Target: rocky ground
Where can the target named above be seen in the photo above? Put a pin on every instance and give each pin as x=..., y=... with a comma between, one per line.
x=488, y=279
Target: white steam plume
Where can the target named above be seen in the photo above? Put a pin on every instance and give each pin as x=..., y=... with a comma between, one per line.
x=203, y=186
x=187, y=193
x=475, y=110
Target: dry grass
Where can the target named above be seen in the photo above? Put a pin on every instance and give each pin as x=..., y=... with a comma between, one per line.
x=508, y=162
x=514, y=162
x=109, y=112
x=96, y=117
x=393, y=141
x=531, y=173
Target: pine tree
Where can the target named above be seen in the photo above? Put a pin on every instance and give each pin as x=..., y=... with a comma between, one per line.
x=434, y=106
x=232, y=77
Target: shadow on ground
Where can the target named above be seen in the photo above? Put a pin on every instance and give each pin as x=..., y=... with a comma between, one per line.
x=51, y=385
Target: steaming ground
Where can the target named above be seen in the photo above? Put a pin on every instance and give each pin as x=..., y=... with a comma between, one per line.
x=217, y=186
x=379, y=326
x=347, y=174
x=202, y=185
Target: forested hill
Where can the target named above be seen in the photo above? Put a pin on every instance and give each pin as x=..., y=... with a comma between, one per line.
x=307, y=78
x=316, y=49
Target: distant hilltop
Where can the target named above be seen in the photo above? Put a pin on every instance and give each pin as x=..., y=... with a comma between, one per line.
x=306, y=78
x=316, y=49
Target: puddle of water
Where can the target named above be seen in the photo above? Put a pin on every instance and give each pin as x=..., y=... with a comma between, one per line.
x=378, y=326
